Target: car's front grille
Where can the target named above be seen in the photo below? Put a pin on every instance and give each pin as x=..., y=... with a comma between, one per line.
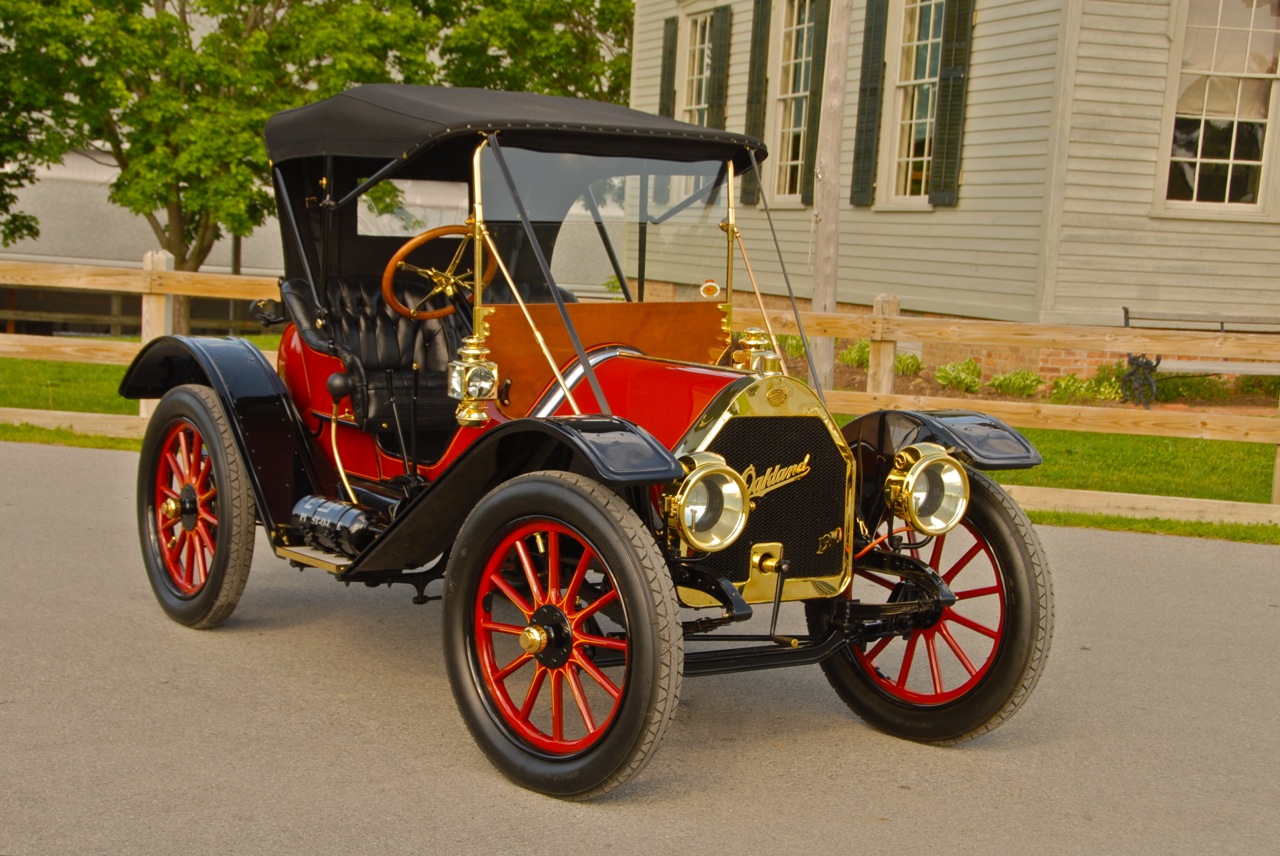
x=799, y=483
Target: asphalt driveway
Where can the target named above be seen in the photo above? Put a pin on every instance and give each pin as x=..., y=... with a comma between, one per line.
x=319, y=719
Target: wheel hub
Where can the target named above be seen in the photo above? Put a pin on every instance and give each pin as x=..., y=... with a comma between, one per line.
x=534, y=639
x=550, y=635
x=188, y=506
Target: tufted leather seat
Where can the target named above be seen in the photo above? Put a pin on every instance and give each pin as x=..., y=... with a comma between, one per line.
x=378, y=347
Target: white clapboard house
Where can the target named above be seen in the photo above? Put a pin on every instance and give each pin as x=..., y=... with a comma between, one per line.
x=1031, y=160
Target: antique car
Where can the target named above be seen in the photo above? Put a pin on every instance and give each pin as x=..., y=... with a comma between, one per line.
x=509, y=365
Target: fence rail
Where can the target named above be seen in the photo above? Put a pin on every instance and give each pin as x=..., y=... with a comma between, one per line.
x=884, y=328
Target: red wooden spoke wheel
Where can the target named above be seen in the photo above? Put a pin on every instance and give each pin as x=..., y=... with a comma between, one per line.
x=195, y=510
x=539, y=627
x=562, y=634
x=968, y=671
x=942, y=662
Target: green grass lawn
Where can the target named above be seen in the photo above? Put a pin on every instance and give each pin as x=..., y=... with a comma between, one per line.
x=77, y=387
x=1160, y=466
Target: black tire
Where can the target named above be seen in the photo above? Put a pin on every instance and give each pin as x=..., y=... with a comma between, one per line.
x=196, y=513
x=1003, y=624
x=560, y=561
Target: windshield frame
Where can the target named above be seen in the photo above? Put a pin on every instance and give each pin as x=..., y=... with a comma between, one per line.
x=483, y=239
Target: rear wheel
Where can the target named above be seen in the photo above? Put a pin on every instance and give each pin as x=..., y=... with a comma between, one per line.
x=195, y=510
x=562, y=635
x=975, y=666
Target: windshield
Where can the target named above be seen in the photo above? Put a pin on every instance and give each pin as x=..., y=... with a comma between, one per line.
x=608, y=228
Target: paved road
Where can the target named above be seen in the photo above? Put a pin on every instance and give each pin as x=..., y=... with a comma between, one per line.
x=319, y=719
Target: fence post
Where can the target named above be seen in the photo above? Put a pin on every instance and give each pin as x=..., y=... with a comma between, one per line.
x=157, y=310
x=883, y=350
x=1275, y=480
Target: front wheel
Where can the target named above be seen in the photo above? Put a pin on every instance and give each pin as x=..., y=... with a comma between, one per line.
x=975, y=666
x=195, y=510
x=562, y=635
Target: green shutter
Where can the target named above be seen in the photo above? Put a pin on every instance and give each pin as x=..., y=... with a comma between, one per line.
x=757, y=89
x=813, y=104
x=953, y=80
x=718, y=85
x=866, y=136
x=667, y=91
x=667, y=80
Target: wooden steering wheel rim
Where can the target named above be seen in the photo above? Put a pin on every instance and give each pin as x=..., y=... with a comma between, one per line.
x=389, y=273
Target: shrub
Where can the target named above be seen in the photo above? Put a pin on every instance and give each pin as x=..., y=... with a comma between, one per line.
x=1171, y=387
x=1069, y=389
x=857, y=355
x=965, y=376
x=792, y=346
x=1103, y=386
x=1251, y=385
x=1020, y=383
x=907, y=364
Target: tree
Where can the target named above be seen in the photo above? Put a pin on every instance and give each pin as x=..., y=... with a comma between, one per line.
x=580, y=48
x=32, y=114
x=176, y=92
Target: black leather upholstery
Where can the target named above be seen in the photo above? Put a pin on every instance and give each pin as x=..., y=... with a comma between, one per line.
x=378, y=347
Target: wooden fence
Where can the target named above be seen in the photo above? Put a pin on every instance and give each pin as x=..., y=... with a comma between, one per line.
x=884, y=328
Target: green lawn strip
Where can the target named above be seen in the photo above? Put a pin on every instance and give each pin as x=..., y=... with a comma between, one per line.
x=1249, y=533
x=62, y=437
x=1159, y=466
x=74, y=387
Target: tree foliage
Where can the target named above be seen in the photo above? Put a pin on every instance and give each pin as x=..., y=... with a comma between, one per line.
x=32, y=112
x=176, y=92
x=579, y=48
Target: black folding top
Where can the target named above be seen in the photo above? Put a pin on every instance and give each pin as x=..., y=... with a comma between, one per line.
x=391, y=121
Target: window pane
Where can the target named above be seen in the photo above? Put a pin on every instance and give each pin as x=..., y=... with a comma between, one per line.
x=1229, y=59
x=698, y=87
x=1217, y=140
x=1249, y=136
x=916, y=88
x=1244, y=183
x=793, y=93
x=1181, y=180
x=1212, y=183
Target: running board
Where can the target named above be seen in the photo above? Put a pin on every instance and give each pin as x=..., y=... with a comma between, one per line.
x=313, y=558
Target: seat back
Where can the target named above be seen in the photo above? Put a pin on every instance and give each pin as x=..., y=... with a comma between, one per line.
x=378, y=348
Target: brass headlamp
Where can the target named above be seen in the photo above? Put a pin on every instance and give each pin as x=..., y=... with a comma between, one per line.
x=709, y=507
x=927, y=488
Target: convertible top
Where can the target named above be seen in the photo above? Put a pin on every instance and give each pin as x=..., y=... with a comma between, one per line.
x=393, y=120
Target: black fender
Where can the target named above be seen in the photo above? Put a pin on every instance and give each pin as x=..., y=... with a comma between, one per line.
x=279, y=453
x=613, y=451
x=975, y=439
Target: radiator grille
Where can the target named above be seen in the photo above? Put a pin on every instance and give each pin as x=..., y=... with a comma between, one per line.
x=795, y=513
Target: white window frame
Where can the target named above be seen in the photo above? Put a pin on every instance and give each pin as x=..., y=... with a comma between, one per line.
x=896, y=95
x=776, y=167
x=1267, y=206
x=696, y=52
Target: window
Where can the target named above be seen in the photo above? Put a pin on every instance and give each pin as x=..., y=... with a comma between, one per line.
x=402, y=208
x=1224, y=102
x=916, y=97
x=915, y=59
x=795, y=75
x=697, y=91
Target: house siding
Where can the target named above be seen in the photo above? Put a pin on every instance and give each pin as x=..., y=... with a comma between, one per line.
x=980, y=258
x=1113, y=246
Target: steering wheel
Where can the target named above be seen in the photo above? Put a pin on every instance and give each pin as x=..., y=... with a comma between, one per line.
x=448, y=282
